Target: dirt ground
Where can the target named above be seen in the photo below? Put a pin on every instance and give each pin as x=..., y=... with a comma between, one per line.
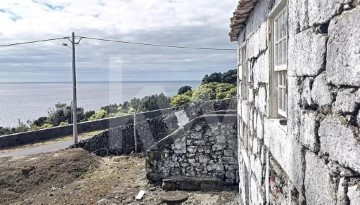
x=74, y=176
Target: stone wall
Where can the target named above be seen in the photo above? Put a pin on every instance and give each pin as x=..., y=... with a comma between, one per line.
x=191, y=110
x=18, y=139
x=314, y=157
x=205, y=147
x=121, y=139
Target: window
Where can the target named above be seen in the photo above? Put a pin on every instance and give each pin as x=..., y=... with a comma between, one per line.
x=279, y=58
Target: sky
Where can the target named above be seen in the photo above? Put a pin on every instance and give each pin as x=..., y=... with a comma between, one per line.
x=195, y=23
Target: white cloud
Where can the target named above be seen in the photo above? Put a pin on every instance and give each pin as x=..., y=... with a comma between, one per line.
x=182, y=22
x=112, y=16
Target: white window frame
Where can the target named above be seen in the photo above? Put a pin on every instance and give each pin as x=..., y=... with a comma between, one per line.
x=279, y=83
x=244, y=73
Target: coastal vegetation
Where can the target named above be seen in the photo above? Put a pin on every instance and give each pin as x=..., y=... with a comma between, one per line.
x=213, y=86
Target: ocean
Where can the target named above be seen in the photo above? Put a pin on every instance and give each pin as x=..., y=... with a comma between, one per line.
x=28, y=101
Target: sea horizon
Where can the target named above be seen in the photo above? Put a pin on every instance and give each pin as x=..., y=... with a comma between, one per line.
x=31, y=100
x=130, y=81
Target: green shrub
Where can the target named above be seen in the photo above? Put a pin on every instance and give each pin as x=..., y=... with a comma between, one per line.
x=180, y=100
x=101, y=114
x=213, y=91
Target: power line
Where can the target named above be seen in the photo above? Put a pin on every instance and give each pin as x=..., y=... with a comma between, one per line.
x=157, y=45
x=120, y=41
x=31, y=42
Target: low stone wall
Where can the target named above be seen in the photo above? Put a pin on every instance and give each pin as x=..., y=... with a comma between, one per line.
x=120, y=140
x=191, y=110
x=56, y=132
x=204, y=147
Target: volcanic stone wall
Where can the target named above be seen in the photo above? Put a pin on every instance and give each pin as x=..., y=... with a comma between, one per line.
x=151, y=129
x=192, y=110
x=313, y=157
x=205, y=147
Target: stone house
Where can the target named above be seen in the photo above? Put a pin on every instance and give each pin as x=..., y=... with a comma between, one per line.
x=298, y=101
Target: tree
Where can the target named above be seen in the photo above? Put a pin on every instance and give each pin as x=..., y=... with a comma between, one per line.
x=112, y=108
x=163, y=101
x=151, y=104
x=230, y=77
x=88, y=114
x=63, y=113
x=40, y=121
x=226, y=77
x=212, y=78
x=135, y=103
x=184, y=89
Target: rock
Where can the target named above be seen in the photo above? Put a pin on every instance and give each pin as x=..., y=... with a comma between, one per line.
x=103, y=201
x=340, y=143
x=220, y=139
x=341, y=192
x=261, y=102
x=215, y=185
x=230, y=175
x=299, y=19
x=217, y=147
x=320, y=12
x=307, y=52
x=168, y=186
x=191, y=149
x=306, y=92
x=319, y=189
x=354, y=194
x=203, y=159
x=346, y=101
x=261, y=71
x=320, y=92
x=174, y=197
x=228, y=153
x=343, y=53
x=308, y=131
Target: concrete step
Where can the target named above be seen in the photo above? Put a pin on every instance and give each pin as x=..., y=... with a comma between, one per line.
x=192, y=184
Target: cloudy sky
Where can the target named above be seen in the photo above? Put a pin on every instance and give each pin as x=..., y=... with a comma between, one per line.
x=195, y=23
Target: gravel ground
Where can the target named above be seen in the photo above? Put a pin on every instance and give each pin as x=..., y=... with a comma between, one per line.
x=74, y=176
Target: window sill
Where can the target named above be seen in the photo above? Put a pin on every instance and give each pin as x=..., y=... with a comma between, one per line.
x=276, y=122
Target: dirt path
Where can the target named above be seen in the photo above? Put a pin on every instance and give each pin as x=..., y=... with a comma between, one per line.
x=46, y=146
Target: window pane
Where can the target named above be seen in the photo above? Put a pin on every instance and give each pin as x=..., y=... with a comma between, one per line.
x=278, y=29
x=280, y=53
x=285, y=102
x=284, y=77
x=285, y=51
x=279, y=99
x=275, y=30
x=283, y=99
x=282, y=25
x=285, y=23
x=278, y=79
x=276, y=54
